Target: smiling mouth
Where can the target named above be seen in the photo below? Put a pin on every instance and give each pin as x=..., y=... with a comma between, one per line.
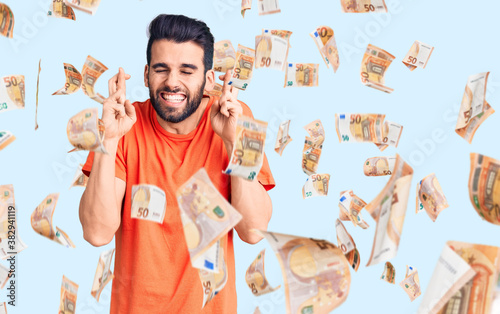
x=173, y=99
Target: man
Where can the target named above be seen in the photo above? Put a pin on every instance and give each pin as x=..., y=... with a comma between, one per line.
x=164, y=141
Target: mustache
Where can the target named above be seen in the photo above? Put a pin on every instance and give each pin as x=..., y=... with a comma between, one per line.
x=169, y=90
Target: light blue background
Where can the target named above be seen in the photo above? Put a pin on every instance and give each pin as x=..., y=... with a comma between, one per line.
x=425, y=101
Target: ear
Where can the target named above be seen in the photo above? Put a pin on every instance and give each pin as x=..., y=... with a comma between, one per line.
x=210, y=77
x=146, y=76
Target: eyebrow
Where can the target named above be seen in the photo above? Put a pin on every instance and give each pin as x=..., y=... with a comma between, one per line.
x=184, y=65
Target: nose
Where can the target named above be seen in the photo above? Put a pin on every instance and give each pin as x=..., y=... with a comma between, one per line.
x=172, y=81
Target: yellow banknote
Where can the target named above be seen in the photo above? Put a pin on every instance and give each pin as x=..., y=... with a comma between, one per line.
x=248, y=152
x=6, y=21
x=213, y=282
x=310, y=156
x=86, y=131
x=242, y=71
x=12, y=93
x=271, y=49
x=8, y=223
x=69, y=290
x=149, y=202
x=411, y=283
x=418, y=56
x=41, y=221
x=6, y=138
x=316, y=185
x=283, y=138
x=103, y=274
x=484, y=187
x=80, y=179
x=374, y=65
x=224, y=56
x=474, y=109
x=350, y=206
x=301, y=74
x=92, y=70
x=321, y=36
x=363, y=6
x=379, y=166
x=256, y=276
x=347, y=245
x=87, y=6
x=389, y=273
x=60, y=9
x=430, y=197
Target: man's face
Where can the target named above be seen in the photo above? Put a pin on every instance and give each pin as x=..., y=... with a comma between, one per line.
x=176, y=79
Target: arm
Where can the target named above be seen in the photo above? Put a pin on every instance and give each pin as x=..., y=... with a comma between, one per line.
x=248, y=197
x=254, y=204
x=103, y=191
x=101, y=203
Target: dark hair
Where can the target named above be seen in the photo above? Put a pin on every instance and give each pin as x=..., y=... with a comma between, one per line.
x=181, y=29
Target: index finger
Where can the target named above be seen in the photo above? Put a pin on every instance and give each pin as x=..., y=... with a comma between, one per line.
x=226, y=87
x=121, y=79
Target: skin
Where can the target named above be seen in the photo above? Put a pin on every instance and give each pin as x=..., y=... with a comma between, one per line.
x=173, y=67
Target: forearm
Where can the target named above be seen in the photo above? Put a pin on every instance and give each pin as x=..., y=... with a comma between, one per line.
x=99, y=212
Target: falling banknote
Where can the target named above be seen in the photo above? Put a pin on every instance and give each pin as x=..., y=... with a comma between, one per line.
x=271, y=49
x=8, y=223
x=350, y=207
x=148, y=203
x=283, y=138
x=87, y=6
x=41, y=221
x=242, y=71
x=6, y=21
x=363, y=6
x=379, y=166
x=484, y=187
x=310, y=156
x=224, y=56
x=316, y=132
x=80, y=179
x=430, y=197
x=375, y=63
x=245, y=5
x=316, y=185
x=418, y=56
x=265, y=6
x=86, y=131
x=103, y=274
x=389, y=210
x=301, y=74
x=353, y=127
x=248, y=152
x=12, y=93
x=389, y=273
x=474, y=109
x=206, y=215
x=216, y=91
x=465, y=273
x=213, y=282
x=69, y=291
x=347, y=245
x=4, y=276
x=256, y=277
x=37, y=89
x=411, y=283
x=92, y=70
x=6, y=138
x=315, y=272
x=60, y=9
x=321, y=36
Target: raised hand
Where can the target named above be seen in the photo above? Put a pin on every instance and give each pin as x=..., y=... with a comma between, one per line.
x=225, y=112
x=118, y=113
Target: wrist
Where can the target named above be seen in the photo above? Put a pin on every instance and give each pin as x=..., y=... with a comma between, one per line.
x=111, y=145
x=229, y=147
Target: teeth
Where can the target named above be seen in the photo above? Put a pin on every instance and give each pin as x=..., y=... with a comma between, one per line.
x=174, y=98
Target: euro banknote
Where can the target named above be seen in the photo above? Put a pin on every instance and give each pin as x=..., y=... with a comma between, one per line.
x=310, y=156
x=315, y=272
x=69, y=290
x=8, y=224
x=12, y=93
x=6, y=138
x=73, y=80
x=213, y=282
x=321, y=35
x=484, y=187
x=389, y=273
x=256, y=276
x=418, y=56
x=350, y=206
x=248, y=152
x=87, y=6
x=245, y=5
x=363, y=6
x=271, y=49
x=347, y=246
x=149, y=202
x=4, y=276
x=243, y=69
x=374, y=65
x=283, y=138
x=6, y=21
x=316, y=185
x=465, y=274
x=301, y=74
x=430, y=197
x=268, y=7
x=355, y=127
x=80, y=179
x=60, y=9
x=411, y=283
x=224, y=56
x=388, y=209
x=37, y=89
x=379, y=166
x=103, y=274
x=474, y=109
x=316, y=132
x=86, y=131
x=41, y=221
x=206, y=215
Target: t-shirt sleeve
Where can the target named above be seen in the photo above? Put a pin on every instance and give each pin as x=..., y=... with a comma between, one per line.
x=265, y=176
x=120, y=165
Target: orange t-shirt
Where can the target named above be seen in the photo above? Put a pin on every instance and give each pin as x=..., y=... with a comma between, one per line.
x=153, y=272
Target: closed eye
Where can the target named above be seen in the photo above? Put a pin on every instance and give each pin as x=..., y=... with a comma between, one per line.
x=184, y=72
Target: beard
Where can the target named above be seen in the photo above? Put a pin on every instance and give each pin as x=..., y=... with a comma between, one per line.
x=172, y=114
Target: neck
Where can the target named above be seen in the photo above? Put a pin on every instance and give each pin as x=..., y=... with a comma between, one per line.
x=187, y=125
